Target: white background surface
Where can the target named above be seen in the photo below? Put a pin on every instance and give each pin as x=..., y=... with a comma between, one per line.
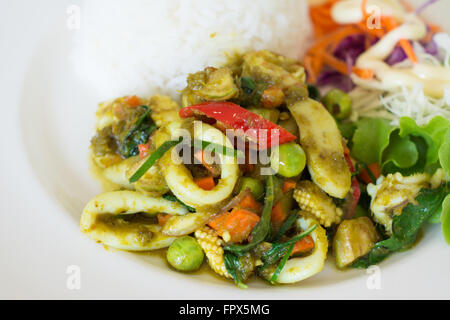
x=45, y=125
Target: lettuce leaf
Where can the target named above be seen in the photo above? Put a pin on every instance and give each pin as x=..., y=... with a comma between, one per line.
x=401, y=151
x=445, y=218
x=433, y=133
x=407, y=149
x=444, y=153
x=370, y=139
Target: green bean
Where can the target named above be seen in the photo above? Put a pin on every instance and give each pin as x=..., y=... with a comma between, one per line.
x=288, y=160
x=185, y=254
x=338, y=103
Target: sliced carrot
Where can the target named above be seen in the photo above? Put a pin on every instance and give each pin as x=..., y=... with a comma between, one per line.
x=206, y=183
x=143, y=150
x=374, y=168
x=132, y=101
x=162, y=218
x=407, y=47
x=288, y=185
x=304, y=245
x=249, y=202
x=278, y=215
x=236, y=224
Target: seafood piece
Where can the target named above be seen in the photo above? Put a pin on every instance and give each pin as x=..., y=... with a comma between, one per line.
x=322, y=142
x=179, y=178
x=111, y=218
x=392, y=193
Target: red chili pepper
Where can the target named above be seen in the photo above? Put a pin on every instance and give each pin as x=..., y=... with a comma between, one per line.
x=232, y=116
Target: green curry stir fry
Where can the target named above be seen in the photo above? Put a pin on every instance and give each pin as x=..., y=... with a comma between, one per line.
x=297, y=181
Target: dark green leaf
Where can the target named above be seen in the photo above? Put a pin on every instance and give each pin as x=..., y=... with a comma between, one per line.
x=279, y=249
x=235, y=269
x=287, y=224
x=138, y=134
x=282, y=263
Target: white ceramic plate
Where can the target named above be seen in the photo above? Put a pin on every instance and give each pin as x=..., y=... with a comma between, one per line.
x=46, y=122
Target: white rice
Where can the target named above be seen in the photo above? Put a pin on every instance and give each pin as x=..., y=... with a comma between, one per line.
x=149, y=46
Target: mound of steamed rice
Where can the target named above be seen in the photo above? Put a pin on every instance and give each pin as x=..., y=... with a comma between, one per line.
x=149, y=46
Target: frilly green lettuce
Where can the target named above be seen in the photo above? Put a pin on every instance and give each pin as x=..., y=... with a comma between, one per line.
x=407, y=148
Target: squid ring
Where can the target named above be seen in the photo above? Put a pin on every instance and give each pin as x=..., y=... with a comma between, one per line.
x=99, y=220
x=298, y=269
x=179, y=178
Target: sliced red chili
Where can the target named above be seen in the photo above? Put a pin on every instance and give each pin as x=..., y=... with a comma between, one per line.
x=231, y=116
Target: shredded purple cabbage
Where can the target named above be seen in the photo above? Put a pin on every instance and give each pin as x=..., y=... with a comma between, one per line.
x=397, y=55
x=336, y=80
x=348, y=50
x=431, y=48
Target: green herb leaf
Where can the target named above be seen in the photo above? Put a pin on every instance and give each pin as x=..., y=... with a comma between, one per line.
x=287, y=224
x=282, y=263
x=155, y=156
x=235, y=269
x=279, y=249
x=138, y=134
x=262, y=229
x=248, y=85
x=406, y=226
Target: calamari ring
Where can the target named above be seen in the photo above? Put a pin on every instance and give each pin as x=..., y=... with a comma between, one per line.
x=179, y=178
x=298, y=269
x=118, y=234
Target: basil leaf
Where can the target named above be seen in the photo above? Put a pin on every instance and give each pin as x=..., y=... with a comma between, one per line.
x=282, y=263
x=235, y=269
x=138, y=134
x=287, y=224
x=279, y=249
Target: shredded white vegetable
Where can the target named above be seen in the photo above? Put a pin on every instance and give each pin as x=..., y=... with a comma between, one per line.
x=415, y=104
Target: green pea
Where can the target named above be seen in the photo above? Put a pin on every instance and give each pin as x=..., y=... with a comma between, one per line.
x=338, y=103
x=256, y=186
x=185, y=254
x=288, y=160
